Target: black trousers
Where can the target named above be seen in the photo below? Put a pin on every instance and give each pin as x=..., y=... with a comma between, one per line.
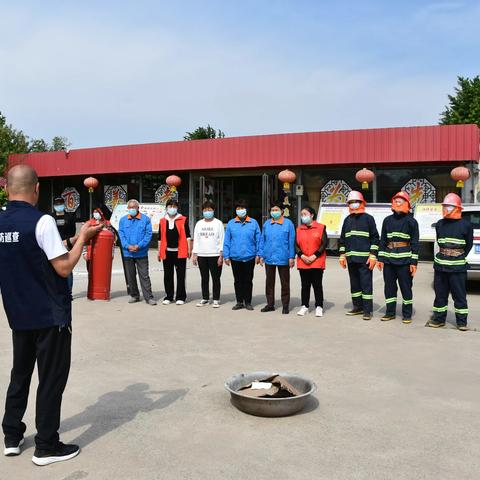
x=133, y=265
x=361, y=286
x=209, y=266
x=284, y=274
x=170, y=264
x=401, y=274
x=312, y=277
x=51, y=349
x=243, y=280
x=455, y=283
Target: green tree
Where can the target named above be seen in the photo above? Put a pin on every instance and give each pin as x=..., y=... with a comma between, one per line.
x=464, y=105
x=202, y=133
x=59, y=143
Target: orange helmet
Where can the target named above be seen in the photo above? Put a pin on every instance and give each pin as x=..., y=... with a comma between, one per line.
x=453, y=199
x=355, y=196
x=404, y=195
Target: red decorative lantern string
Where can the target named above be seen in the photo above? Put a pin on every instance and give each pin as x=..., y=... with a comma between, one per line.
x=364, y=176
x=173, y=181
x=287, y=177
x=460, y=174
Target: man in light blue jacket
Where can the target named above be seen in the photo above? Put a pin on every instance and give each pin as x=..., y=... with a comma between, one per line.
x=277, y=250
x=135, y=233
x=240, y=249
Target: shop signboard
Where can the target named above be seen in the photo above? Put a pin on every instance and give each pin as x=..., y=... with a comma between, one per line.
x=335, y=191
x=72, y=199
x=427, y=214
x=114, y=195
x=152, y=210
x=164, y=193
x=420, y=191
x=333, y=215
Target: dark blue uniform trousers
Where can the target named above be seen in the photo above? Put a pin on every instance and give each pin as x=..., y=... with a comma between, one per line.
x=455, y=283
x=401, y=274
x=361, y=286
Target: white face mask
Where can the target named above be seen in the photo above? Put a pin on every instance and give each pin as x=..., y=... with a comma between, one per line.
x=354, y=205
x=97, y=216
x=449, y=208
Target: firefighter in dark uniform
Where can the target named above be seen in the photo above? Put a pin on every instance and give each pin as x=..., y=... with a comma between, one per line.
x=455, y=240
x=358, y=251
x=398, y=256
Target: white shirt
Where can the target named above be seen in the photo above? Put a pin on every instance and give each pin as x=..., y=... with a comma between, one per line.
x=208, y=238
x=48, y=237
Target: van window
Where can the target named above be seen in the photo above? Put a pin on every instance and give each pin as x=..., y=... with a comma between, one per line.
x=473, y=217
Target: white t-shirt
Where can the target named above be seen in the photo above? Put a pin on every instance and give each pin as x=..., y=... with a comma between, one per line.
x=208, y=238
x=48, y=237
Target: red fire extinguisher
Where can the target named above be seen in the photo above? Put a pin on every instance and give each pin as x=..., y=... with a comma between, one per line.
x=100, y=265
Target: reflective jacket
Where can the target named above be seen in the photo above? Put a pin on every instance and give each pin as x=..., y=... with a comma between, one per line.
x=359, y=238
x=457, y=237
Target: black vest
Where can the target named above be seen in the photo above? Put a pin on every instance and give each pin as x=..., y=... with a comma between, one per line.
x=34, y=295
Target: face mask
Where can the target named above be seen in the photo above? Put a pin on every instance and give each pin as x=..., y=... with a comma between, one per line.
x=354, y=205
x=241, y=212
x=172, y=211
x=208, y=214
x=276, y=215
x=132, y=212
x=59, y=208
x=97, y=216
x=306, y=219
x=449, y=208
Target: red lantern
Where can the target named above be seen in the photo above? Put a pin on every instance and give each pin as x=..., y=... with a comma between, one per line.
x=173, y=181
x=364, y=176
x=287, y=177
x=460, y=174
x=91, y=183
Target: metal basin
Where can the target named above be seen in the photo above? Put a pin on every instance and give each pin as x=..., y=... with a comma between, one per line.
x=269, y=407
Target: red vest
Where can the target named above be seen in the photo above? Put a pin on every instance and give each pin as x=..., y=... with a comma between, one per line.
x=182, y=238
x=309, y=241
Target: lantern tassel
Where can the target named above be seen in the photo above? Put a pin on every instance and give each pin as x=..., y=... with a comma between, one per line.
x=364, y=185
x=460, y=184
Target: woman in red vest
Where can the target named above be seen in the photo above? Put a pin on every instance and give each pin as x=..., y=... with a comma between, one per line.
x=311, y=255
x=174, y=247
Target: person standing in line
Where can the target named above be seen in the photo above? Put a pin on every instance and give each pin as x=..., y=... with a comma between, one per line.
x=208, y=253
x=174, y=247
x=312, y=242
x=398, y=256
x=240, y=250
x=34, y=267
x=66, y=227
x=358, y=249
x=455, y=240
x=135, y=232
x=277, y=251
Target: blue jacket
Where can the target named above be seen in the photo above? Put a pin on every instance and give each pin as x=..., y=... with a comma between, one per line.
x=277, y=242
x=241, y=239
x=135, y=231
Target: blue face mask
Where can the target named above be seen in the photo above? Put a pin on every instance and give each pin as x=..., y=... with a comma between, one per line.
x=172, y=211
x=208, y=214
x=132, y=212
x=306, y=219
x=276, y=215
x=241, y=212
x=59, y=208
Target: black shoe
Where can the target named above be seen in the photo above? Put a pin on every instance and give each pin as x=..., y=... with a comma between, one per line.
x=407, y=320
x=285, y=311
x=435, y=324
x=60, y=454
x=268, y=308
x=12, y=449
x=354, y=311
x=238, y=306
x=462, y=328
x=248, y=306
x=367, y=316
x=387, y=317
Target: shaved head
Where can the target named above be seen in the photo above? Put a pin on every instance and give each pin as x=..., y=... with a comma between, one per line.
x=21, y=179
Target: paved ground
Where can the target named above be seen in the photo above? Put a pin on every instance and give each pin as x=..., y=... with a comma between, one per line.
x=145, y=398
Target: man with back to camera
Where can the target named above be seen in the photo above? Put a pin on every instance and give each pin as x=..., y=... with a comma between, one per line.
x=66, y=227
x=34, y=266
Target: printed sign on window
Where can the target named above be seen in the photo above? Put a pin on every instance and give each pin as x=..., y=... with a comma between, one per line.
x=72, y=199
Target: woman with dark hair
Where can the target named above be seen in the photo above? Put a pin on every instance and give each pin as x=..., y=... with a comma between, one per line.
x=174, y=247
x=207, y=253
x=311, y=255
x=240, y=249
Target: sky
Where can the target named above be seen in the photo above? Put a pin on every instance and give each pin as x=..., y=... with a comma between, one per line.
x=124, y=72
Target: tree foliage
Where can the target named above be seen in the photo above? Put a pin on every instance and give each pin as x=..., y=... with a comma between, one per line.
x=464, y=105
x=15, y=141
x=202, y=133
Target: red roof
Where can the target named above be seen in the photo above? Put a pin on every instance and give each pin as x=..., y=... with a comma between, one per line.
x=429, y=144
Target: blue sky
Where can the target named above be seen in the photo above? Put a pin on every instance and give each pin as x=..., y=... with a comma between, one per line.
x=106, y=73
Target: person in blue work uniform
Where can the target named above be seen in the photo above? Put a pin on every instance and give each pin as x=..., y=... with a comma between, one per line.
x=277, y=251
x=398, y=256
x=455, y=240
x=34, y=267
x=358, y=250
x=135, y=232
x=240, y=250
